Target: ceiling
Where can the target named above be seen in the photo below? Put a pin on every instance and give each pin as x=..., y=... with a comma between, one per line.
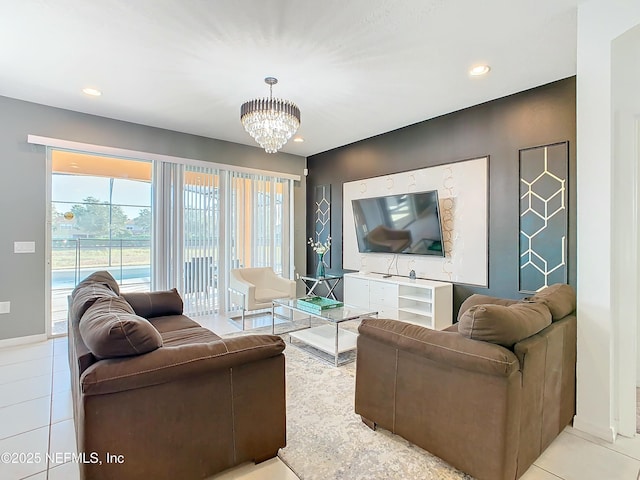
x=355, y=68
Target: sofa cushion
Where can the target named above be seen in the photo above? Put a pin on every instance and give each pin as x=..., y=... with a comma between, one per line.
x=504, y=325
x=188, y=336
x=155, y=304
x=110, y=329
x=477, y=299
x=171, y=323
x=560, y=298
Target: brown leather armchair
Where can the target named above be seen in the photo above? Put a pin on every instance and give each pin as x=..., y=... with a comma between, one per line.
x=487, y=409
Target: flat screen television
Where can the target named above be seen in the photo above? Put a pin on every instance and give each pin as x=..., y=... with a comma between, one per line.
x=404, y=223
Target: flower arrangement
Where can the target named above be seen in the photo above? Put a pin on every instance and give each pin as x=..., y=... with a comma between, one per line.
x=320, y=248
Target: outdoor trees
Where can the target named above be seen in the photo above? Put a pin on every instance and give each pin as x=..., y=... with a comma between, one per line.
x=95, y=217
x=143, y=221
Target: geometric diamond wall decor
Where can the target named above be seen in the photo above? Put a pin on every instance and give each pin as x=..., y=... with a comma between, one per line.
x=323, y=217
x=543, y=216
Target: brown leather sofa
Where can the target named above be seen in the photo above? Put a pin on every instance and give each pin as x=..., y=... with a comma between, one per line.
x=487, y=395
x=162, y=397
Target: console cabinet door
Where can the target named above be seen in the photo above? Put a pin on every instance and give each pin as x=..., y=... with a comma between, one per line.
x=356, y=292
x=383, y=294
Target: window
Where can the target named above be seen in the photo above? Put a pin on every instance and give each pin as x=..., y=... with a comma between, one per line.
x=258, y=227
x=100, y=220
x=159, y=222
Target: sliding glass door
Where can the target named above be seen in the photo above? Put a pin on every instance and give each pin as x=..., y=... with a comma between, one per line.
x=211, y=221
x=157, y=225
x=100, y=220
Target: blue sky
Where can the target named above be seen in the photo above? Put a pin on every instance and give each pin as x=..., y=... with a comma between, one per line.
x=132, y=194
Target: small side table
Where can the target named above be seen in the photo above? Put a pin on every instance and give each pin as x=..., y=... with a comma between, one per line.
x=330, y=281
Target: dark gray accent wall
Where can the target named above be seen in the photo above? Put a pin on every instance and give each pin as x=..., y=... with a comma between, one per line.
x=23, y=190
x=498, y=129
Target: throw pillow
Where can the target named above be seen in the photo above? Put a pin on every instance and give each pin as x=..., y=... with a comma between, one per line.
x=85, y=295
x=504, y=325
x=477, y=299
x=560, y=298
x=97, y=285
x=110, y=329
x=155, y=304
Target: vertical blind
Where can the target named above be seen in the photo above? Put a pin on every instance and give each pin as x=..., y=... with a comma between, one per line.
x=257, y=226
x=201, y=234
x=209, y=221
x=258, y=222
x=166, y=208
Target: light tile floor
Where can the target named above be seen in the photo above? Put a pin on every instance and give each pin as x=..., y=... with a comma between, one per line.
x=36, y=419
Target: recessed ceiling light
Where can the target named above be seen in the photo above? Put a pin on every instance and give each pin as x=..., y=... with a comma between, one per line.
x=479, y=70
x=92, y=91
x=298, y=139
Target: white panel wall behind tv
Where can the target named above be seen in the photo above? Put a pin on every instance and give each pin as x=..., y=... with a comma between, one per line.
x=463, y=198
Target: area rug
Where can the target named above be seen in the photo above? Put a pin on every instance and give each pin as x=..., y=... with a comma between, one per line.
x=325, y=438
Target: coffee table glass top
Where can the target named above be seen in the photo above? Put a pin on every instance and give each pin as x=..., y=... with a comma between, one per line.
x=336, y=315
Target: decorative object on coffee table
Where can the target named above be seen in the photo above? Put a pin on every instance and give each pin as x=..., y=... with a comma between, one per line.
x=317, y=304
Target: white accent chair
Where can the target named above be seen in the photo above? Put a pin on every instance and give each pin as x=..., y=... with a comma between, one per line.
x=258, y=287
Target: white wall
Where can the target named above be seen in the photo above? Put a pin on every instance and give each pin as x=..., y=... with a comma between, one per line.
x=600, y=355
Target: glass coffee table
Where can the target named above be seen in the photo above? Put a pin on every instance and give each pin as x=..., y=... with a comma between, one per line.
x=328, y=338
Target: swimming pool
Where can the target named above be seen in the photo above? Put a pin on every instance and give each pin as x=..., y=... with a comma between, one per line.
x=69, y=278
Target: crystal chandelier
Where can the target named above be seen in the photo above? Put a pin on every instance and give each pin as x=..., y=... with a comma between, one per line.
x=270, y=121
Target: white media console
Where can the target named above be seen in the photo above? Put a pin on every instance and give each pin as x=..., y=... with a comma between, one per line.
x=423, y=302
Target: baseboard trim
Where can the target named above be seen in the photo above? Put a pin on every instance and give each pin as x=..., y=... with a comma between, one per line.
x=14, y=342
x=608, y=434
